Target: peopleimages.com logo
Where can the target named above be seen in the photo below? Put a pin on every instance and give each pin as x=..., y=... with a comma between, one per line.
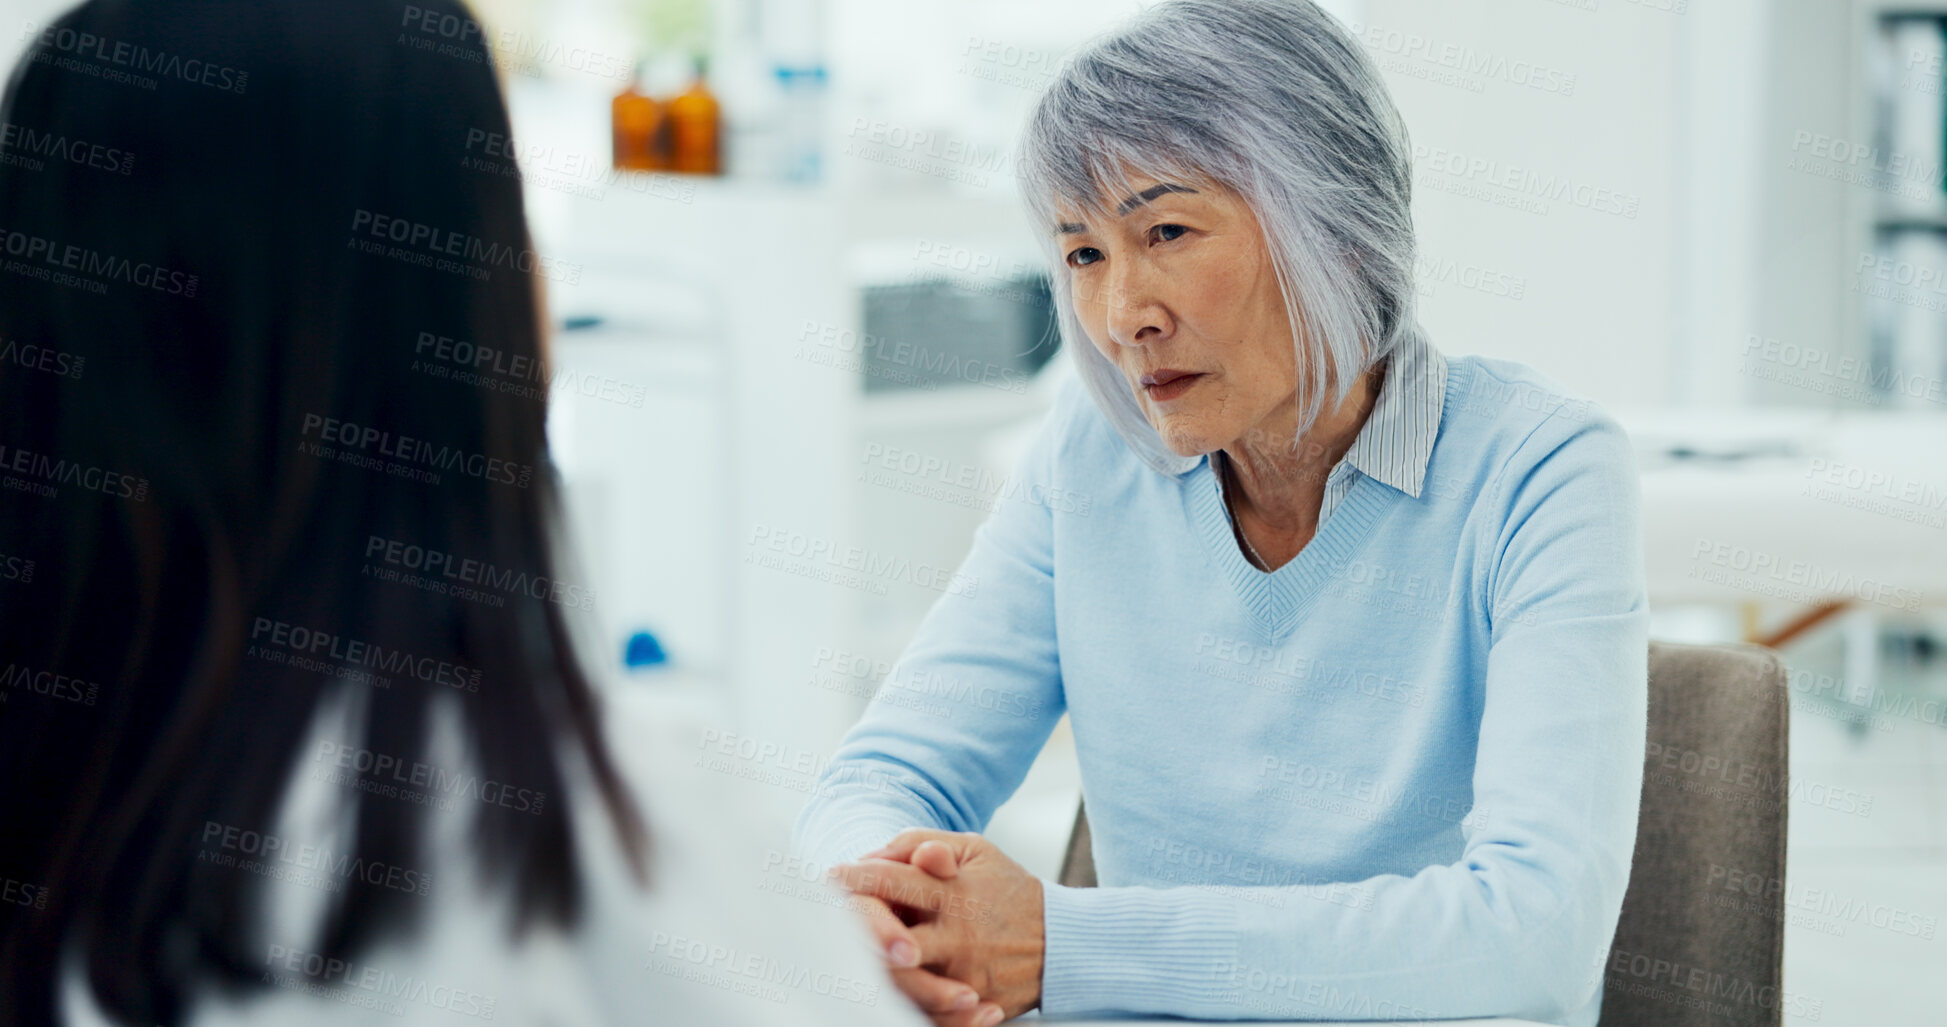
x=16, y=568
x=43, y=474
x=298, y=640
x=21, y=893
x=400, y=778
x=41, y=358
x=311, y=866
x=47, y=259
x=405, y=449
x=429, y=246
x=48, y=683
x=1783, y=577
x=23, y=146
x=120, y=60
x=441, y=572
x=368, y=986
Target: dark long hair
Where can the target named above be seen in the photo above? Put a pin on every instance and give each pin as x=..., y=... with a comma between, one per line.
x=251, y=253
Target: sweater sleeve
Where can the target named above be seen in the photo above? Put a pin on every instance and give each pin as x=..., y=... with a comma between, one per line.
x=960, y=717
x=1520, y=923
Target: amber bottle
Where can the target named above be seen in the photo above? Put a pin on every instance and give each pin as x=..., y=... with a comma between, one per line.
x=637, y=120
x=695, y=129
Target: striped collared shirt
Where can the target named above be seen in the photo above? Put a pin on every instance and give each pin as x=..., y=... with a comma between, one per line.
x=1396, y=442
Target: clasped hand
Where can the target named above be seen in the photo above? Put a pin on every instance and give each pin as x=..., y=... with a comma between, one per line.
x=959, y=922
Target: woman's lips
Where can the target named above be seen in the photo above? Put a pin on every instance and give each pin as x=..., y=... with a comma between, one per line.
x=1167, y=384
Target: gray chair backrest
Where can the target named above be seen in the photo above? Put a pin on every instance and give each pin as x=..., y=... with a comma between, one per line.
x=1702, y=934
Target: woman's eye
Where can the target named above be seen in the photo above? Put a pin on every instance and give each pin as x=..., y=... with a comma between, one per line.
x=1084, y=255
x=1164, y=233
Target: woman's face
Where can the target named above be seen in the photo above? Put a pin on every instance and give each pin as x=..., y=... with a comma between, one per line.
x=1177, y=289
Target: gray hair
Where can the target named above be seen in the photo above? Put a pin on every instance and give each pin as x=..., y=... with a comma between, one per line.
x=1276, y=101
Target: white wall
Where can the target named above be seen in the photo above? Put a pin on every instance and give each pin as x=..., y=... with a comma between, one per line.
x=1598, y=308
x=17, y=16
x=1805, y=258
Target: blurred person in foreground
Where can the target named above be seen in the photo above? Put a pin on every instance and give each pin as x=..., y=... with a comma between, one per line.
x=293, y=728
x=1352, y=636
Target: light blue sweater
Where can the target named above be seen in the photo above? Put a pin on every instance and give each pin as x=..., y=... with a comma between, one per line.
x=1396, y=778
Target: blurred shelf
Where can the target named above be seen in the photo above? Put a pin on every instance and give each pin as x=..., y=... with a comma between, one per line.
x=1891, y=221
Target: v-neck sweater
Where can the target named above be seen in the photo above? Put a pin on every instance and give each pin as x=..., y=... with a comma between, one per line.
x=1395, y=778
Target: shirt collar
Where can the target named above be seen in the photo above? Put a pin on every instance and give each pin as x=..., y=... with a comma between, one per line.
x=1396, y=443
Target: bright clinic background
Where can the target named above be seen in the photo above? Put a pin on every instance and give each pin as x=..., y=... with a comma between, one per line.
x=788, y=396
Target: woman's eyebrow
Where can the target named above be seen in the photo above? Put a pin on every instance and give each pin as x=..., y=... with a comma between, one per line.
x=1127, y=205
x=1149, y=194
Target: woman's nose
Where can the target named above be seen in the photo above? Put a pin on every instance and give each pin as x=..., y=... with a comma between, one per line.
x=1136, y=318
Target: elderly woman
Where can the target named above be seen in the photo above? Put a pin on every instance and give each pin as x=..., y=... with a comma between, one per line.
x=1353, y=639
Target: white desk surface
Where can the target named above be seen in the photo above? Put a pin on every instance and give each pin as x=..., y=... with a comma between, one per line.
x=1792, y=487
